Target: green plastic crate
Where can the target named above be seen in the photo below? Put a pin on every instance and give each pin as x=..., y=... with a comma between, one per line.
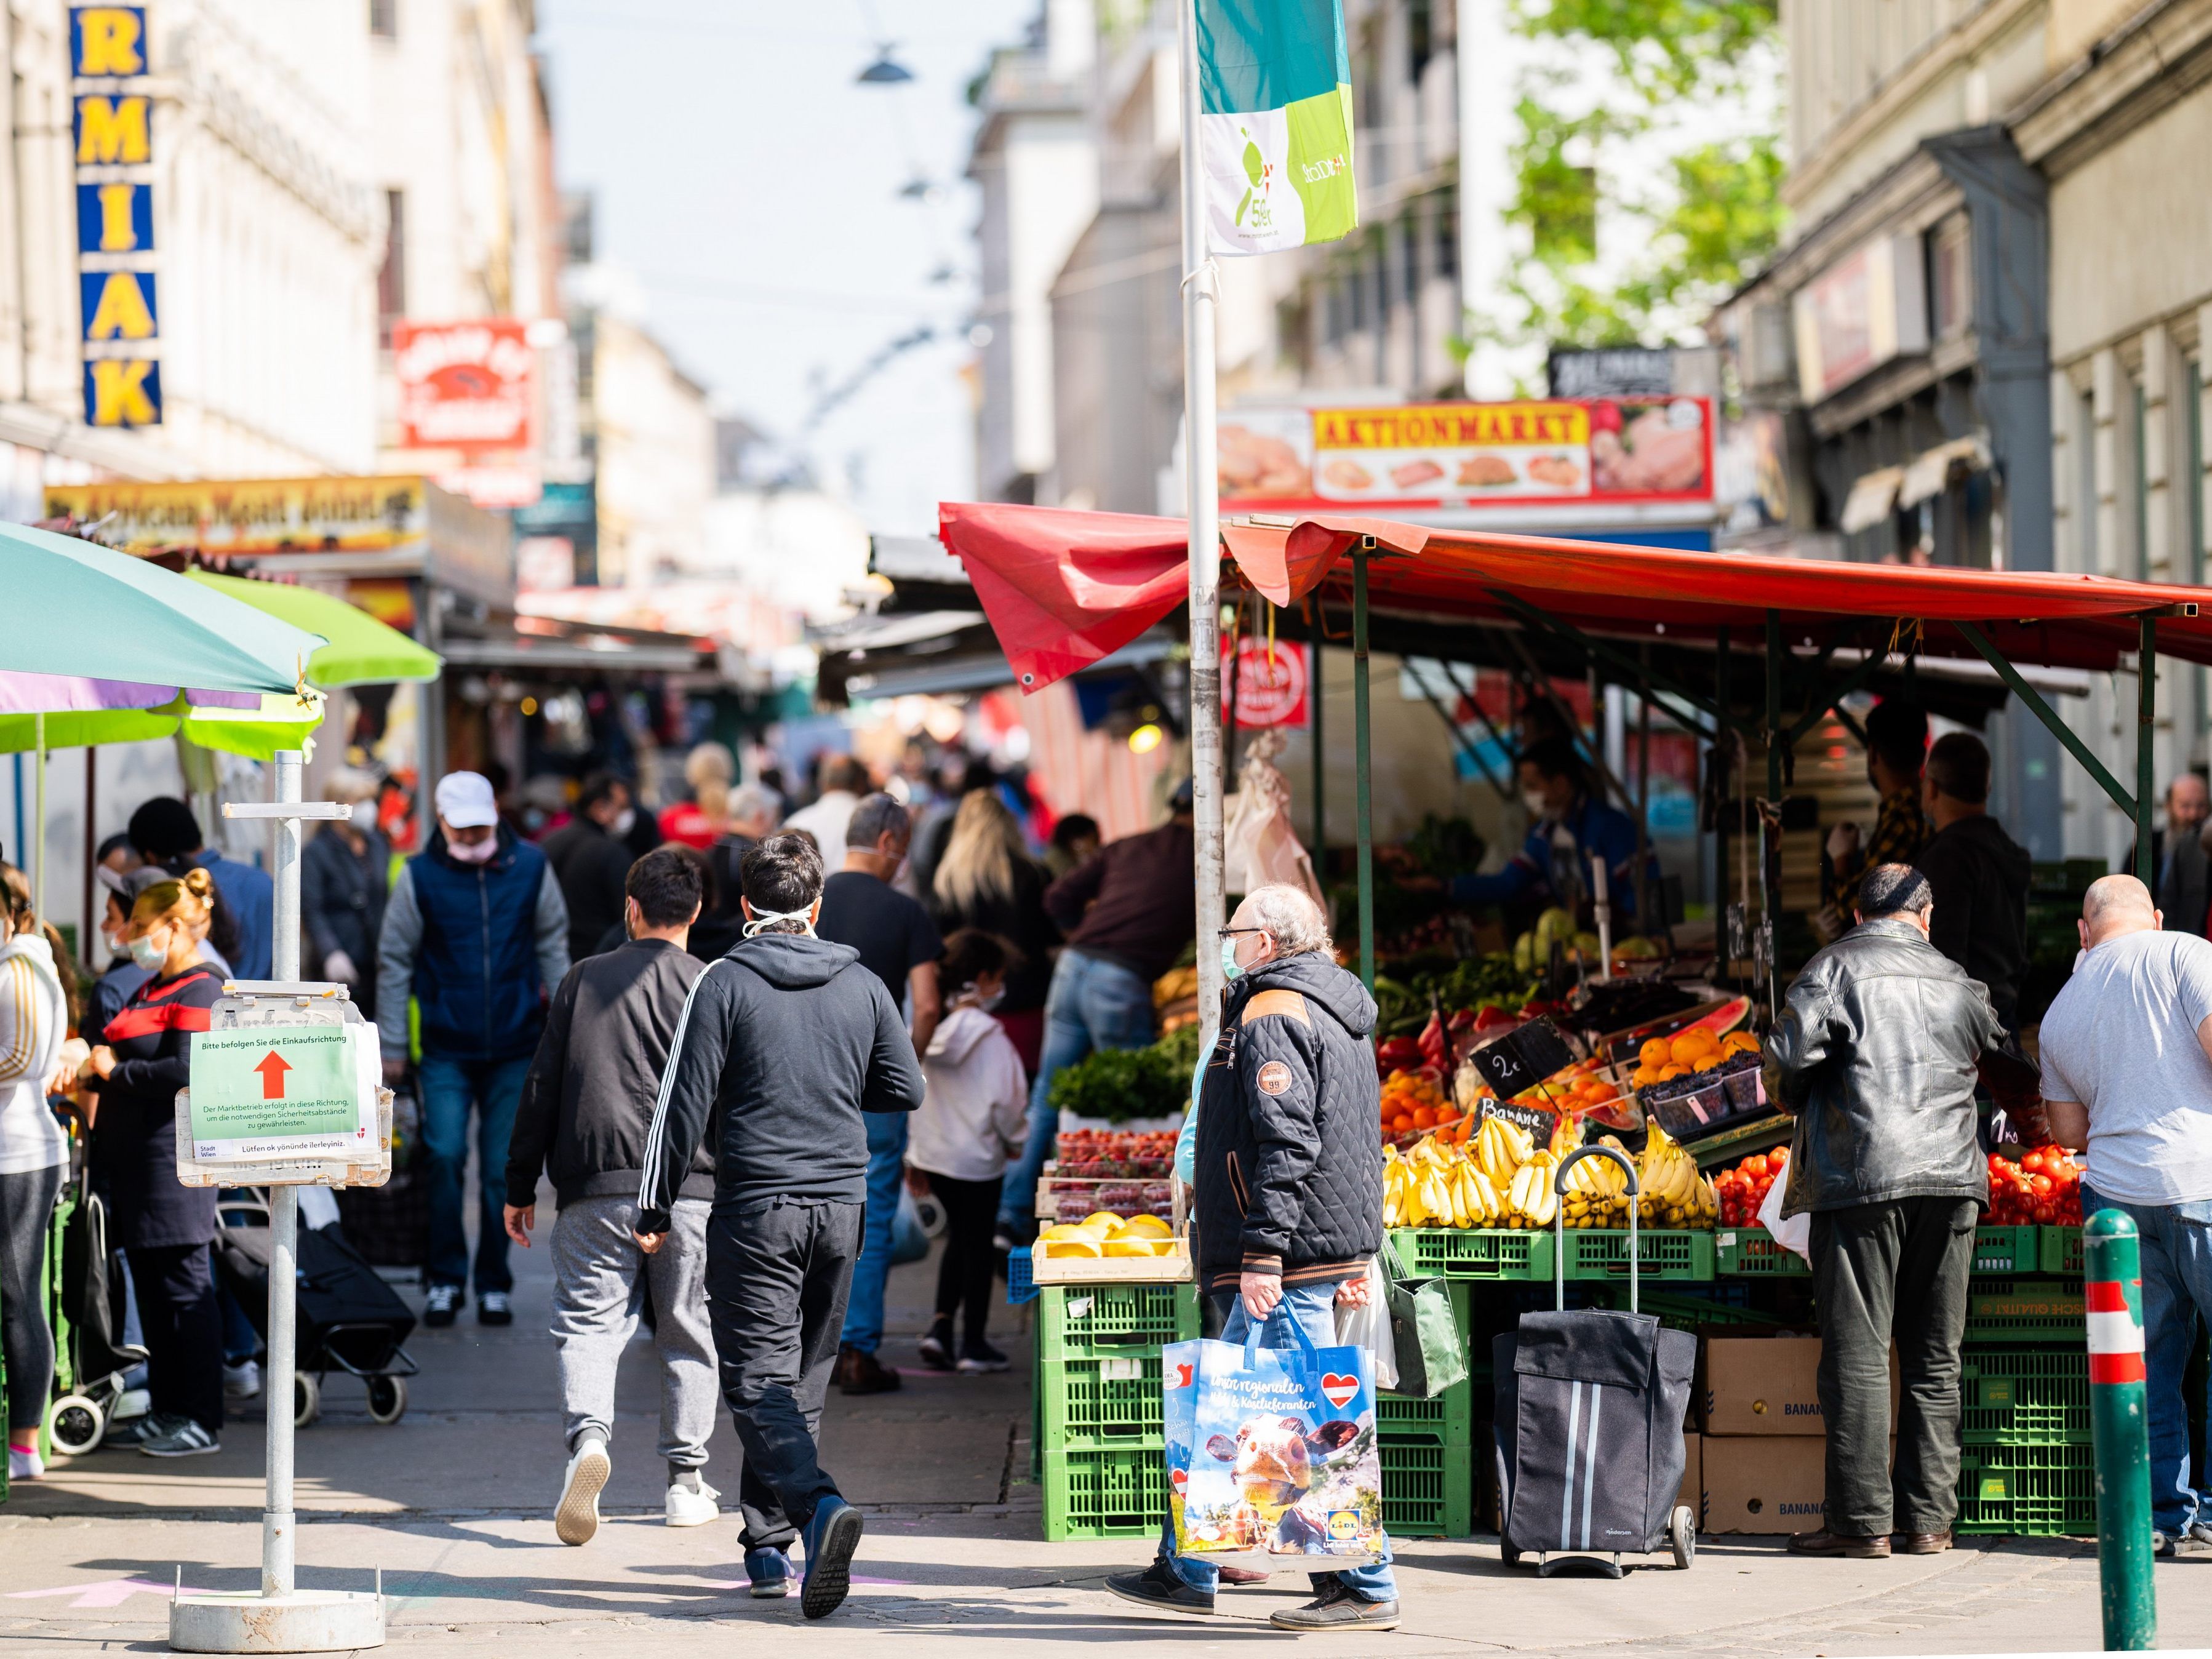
x=2060, y=1251
x=2026, y=1310
x=2008, y=1250
x=1681, y=1312
x=2027, y=1492
x=1428, y=1489
x=1444, y=1420
x=1473, y=1252
x=1082, y=1321
x=2025, y=1396
x=1105, y=1492
x=1602, y=1252
x=1111, y=1401
x=1753, y=1253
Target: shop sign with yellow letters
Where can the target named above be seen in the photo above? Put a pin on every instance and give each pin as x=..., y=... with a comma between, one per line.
x=113, y=133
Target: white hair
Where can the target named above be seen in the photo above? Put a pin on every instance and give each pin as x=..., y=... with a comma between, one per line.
x=1291, y=918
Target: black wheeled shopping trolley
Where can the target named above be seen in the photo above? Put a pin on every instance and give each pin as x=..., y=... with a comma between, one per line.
x=84, y=1310
x=1590, y=1405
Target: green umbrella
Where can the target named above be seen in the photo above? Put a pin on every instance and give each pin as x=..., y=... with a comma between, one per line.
x=90, y=612
x=362, y=650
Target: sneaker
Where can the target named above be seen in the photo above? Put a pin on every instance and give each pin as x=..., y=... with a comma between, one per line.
x=831, y=1537
x=1158, y=1587
x=24, y=1463
x=242, y=1381
x=1337, y=1608
x=440, y=1303
x=937, y=1346
x=770, y=1571
x=494, y=1308
x=1003, y=1240
x=576, y=1516
x=863, y=1373
x=2192, y=1543
x=692, y=1505
x=979, y=1356
x=132, y=1431
x=179, y=1436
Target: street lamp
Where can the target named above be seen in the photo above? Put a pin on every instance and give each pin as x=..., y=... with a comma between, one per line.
x=886, y=71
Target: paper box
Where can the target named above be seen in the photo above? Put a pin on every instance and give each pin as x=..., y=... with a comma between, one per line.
x=1767, y=1385
x=1762, y=1483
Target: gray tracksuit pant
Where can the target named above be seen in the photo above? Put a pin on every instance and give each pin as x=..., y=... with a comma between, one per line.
x=601, y=1279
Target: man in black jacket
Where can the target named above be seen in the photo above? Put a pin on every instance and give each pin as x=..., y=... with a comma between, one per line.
x=1877, y=1053
x=583, y=1121
x=1979, y=873
x=787, y=1042
x=590, y=856
x=1289, y=1172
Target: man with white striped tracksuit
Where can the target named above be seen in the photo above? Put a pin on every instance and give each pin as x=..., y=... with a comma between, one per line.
x=583, y=1121
x=784, y=1043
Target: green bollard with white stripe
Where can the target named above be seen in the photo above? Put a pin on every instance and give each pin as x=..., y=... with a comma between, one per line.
x=2120, y=1424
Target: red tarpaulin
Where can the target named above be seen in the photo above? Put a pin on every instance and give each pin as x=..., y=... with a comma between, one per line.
x=1064, y=589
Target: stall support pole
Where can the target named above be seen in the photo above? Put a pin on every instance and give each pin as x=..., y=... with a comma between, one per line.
x=1774, y=737
x=2146, y=729
x=277, y=1526
x=1202, y=487
x=1361, y=758
x=1314, y=698
x=39, y=823
x=1721, y=735
x=2119, y=1427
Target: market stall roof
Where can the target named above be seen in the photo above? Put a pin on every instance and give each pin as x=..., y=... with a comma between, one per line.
x=1063, y=589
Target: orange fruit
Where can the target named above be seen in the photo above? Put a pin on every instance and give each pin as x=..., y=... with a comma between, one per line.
x=1424, y=1118
x=1402, y=1124
x=1655, y=1052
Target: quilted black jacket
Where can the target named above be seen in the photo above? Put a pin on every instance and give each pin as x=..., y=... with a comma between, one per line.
x=1290, y=1147
x=1877, y=1053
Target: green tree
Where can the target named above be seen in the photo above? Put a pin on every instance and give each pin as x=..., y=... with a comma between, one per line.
x=1715, y=211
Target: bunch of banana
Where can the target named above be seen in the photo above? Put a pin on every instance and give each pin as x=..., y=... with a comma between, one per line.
x=1597, y=1193
x=1672, y=1192
x=1435, y=1185
x=1530, y=1200
x=1499, y=1149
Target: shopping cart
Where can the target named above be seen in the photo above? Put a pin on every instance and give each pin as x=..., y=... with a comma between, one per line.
x=1589, y=1413
x=84, y=1310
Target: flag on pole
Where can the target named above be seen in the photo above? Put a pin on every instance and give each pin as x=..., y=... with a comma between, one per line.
x=1276, y=131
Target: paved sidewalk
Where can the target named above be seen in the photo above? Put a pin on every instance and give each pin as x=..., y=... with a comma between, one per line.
x=454, y=1505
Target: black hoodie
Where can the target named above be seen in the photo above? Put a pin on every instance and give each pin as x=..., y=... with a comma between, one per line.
x=1980, y=875
x=1289, y=1162
x=786, y=1041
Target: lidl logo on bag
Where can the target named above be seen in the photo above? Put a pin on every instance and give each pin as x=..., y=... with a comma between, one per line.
x=1344, y=1526
x=1339, y=1391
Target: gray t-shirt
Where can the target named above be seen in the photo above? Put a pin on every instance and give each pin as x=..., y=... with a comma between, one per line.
x=2121, y=1039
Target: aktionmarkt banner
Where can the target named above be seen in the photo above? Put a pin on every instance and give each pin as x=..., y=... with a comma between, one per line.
x=1275, y=83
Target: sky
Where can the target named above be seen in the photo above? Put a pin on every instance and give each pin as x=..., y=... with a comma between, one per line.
x=747, y=192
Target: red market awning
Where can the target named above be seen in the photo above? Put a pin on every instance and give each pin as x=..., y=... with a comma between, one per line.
x=1063, y=589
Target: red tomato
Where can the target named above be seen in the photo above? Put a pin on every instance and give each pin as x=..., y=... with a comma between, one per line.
x=1755, y=1165
x=2041, y=1183
x=2047, y=1213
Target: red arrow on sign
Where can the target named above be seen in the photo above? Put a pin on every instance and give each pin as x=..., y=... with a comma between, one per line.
x=272, y=1068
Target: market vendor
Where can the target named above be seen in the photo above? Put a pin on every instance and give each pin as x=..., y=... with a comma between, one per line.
x=1897, y=749
x=1571, y=826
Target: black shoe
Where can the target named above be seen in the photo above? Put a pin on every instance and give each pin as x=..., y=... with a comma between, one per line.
x=1158, y=1588
x=937, y=1346
x=980, y=1356
x=1337, y=1608
x=442, y=1303
x=863, y=1373
x=494, y=1308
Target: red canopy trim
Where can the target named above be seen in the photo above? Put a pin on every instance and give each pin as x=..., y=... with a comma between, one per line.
x=1064, y=589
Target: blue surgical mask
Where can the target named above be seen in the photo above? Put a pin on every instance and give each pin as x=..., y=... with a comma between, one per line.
x=147, y=954
x=1231, y=970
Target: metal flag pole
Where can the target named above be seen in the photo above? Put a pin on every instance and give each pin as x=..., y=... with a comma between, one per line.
x=1201, y=297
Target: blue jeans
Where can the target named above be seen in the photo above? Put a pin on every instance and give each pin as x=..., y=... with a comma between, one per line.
x=450, y=1087
x=864, y=1307
x=1093, y=1004
x=1313, y=1308
x=2177, y=1292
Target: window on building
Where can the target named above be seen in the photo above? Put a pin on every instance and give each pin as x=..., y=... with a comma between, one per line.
x=1331, y=311
x=392, y=276
x=1359, y=277
x=1386, y=290
x=1950, y=278
x=2085, y=474
x=383, y=19
x=1447, y=240
x=2192, y=558
x=1420, y=38
x=1409, y=228
x=2140, y=476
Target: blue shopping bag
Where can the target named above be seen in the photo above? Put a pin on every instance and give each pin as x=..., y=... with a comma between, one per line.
x=1271, y=1452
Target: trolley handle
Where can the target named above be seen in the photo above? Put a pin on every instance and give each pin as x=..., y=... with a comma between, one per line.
x=1559, y=1220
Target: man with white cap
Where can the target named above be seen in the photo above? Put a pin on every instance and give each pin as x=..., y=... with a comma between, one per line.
x=477, y=932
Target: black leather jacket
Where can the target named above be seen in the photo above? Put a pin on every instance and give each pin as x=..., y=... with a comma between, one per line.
x=1876, y=1054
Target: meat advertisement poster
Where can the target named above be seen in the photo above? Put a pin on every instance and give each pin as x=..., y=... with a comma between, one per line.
x=1650, y=448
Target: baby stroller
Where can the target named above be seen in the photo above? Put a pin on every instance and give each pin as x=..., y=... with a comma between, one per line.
x=1590, y=1418
x=84, y=1310
x=348, y=1319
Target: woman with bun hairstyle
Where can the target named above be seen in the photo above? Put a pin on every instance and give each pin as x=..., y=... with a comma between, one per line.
x=164, y=1228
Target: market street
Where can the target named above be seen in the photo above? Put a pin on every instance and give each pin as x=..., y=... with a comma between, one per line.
x=453, y=1502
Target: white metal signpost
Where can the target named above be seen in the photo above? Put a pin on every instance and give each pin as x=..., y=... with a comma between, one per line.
x=284, y=1094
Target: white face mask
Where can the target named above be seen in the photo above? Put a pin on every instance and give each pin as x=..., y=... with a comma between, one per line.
x=481, y=852
x=763, y=920
x=1535, y=804
x=625, y=821
x=148, y=954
